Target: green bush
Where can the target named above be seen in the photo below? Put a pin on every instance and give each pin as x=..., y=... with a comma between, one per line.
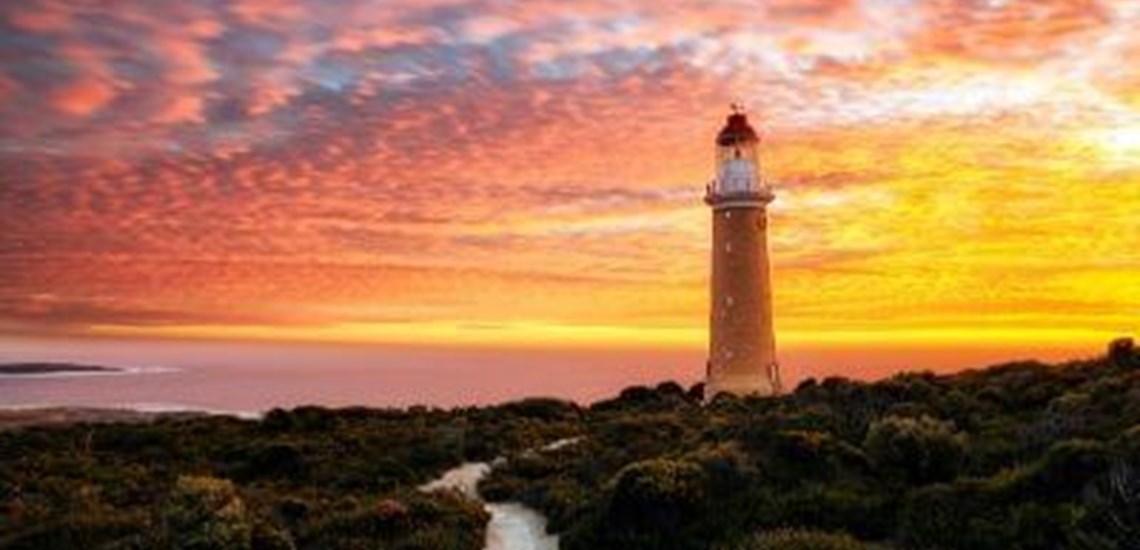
x=792, y=539
x=657, y=494
x=82, y=531
x=653, y=505
x=1064, y=471
x=205, y=513
x=436, y=521
x=920, y=450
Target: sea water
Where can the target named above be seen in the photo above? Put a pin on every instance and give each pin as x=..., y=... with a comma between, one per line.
x=253, y=378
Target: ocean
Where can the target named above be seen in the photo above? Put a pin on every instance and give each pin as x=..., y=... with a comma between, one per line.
x=250, y=378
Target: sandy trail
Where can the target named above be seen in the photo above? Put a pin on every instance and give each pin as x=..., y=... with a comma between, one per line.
x=512, y=526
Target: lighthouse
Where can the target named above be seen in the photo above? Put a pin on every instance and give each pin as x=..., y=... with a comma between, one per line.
x=742, y=343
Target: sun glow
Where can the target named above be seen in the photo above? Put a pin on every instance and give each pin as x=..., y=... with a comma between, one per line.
x=1121, y=143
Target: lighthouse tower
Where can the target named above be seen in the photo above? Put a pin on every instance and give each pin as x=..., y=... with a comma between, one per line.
x=742, y=344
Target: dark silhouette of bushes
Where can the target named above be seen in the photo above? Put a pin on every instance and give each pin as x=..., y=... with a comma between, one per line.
x=791, y=539
x=1023, y=455
x=916, y=450
x=81, y=531
x=206, y=513
x=657, y=494
x=655, y=504
x=295, y=476
x=413, y=521
x=1123, y=352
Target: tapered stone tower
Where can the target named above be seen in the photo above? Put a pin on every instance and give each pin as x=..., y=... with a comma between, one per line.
x=742, y=343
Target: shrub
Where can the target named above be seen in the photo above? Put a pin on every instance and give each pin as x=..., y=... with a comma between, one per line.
x=726, y=466
x=1122, y=351
x=794, y=539
x=655, y=504
x=696, y=392
x=293, y=510
x=657, y=493
x=541, y=408
x=922, y=450
x=436, y=521
x=268, y=537
x=933, y=515
x=805, y=454
x=664, y=397
x=1064, y=471
x=205, y=513
x=80, y=531
x=269, y=460
x=858, y=510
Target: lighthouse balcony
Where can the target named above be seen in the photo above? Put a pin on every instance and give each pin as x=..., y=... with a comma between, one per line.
x=737, y=197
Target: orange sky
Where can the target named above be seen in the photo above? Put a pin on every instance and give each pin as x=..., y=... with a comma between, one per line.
x=948, y=172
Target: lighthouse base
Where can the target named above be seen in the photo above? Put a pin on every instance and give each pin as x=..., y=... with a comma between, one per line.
x=746, y=384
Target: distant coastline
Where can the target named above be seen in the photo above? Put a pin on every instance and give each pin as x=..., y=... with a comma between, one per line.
x=40, y=416
x=48, y=413
x=35, y=369
x=64, y=370
x=22, y=416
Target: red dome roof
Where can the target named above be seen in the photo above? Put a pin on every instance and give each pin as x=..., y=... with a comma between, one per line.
x=736, y=131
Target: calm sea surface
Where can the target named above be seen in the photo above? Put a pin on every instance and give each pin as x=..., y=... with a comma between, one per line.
x=250, y=378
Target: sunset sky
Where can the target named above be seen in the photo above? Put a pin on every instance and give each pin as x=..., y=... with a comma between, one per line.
x=529, y=173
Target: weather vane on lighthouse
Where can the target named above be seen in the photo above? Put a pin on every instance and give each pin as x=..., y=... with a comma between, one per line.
x=742, y=342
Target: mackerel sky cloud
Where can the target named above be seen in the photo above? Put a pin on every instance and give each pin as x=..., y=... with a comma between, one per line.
x=396, y=170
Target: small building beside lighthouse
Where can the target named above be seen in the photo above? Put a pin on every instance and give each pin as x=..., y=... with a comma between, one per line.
x=742, y=342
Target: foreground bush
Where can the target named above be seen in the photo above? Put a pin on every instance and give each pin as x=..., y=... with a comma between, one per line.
x=918, y=450
x=791, y=539
x=438, y=521
x=657, y=494
x=205, y=513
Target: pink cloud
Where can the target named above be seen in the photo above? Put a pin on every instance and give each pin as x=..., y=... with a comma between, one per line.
x=8, y=87
x=1013, y=31
x=37, y=17
x=267, y=11
x=185, y=59
x=179, y=109
x=83, y=97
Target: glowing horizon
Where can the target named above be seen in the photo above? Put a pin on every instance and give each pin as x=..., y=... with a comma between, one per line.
x=486, y=173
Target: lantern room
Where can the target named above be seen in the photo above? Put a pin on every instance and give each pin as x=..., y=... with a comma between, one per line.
x=737, y=162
